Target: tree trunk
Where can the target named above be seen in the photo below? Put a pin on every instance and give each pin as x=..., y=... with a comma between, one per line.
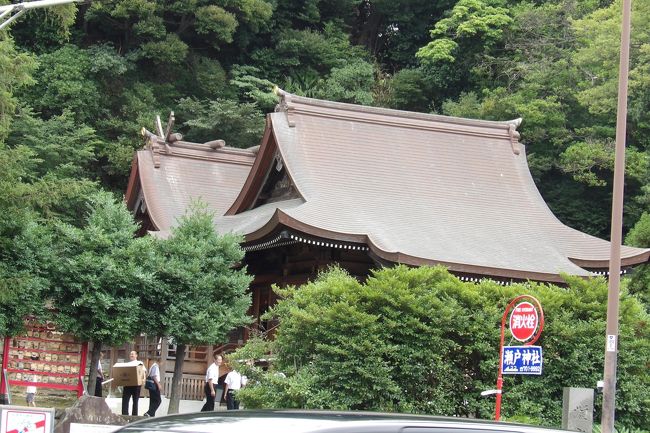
x=94, y=360
x=175, y=397
x=367, y=28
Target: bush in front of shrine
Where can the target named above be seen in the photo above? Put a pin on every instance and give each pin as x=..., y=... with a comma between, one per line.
x=420, y=340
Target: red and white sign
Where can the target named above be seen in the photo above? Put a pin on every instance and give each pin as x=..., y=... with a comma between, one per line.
x=26, y=420
x=523, y=321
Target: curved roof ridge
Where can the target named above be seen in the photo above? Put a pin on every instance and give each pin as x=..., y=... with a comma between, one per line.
x=215, y=150
x=289, y=101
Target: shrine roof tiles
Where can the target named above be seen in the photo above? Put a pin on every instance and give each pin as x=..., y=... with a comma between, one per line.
x=172, y=176
x=415, y=188
x=425, y=189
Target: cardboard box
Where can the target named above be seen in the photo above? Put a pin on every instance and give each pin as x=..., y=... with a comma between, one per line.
x=127, y=374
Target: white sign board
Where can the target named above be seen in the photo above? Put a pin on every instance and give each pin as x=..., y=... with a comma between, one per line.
x=17, y=419
x=611, y=343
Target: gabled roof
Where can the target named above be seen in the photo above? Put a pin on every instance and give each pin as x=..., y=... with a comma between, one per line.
x=167, y=177
x=412, y=188
x=417, y=189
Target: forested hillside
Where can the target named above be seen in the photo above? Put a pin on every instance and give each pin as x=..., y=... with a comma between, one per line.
x=78, y=82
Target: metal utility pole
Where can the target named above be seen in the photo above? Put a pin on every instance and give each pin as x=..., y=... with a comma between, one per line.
x=611, y=340
x=9, y=13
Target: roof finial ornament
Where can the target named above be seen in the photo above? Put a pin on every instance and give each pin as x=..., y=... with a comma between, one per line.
x=170, y=126
x=285, y=104
x=151, y=143
x=514, y=135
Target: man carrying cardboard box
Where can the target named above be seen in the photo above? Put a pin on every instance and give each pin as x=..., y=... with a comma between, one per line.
x=131, y=375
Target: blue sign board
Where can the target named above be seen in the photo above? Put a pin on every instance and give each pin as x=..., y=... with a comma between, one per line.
x=522, y=360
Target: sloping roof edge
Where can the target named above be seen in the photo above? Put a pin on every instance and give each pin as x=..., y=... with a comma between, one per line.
x=281, y=220
x=254, y=182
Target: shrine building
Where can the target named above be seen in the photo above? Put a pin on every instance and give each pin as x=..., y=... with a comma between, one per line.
x=365, y=187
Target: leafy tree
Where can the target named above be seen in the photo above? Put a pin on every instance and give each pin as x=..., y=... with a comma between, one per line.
x=63, y=148
x=46, y=28
x=426, y=342
x=409, y=89
x=639, y=282
x=16, y=70
x=302, y=52
x=64, y=81
x=200, y=295
x=253, y=89
x=162, y=32
x=351, y=83
x=98, y=276
x=239, y=124
x=393, y=31
x=23, y=244
x=34, y=188
x=468, y=21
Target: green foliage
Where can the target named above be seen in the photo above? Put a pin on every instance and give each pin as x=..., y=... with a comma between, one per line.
x=217, y=22
x=64, y=81
x=97, y=276
x=618, y=428
x=47, y=28
x=162, y=27
x=351, y=83
x=410, y=90
x=210, y=77
x=202, y=295
x=468, y=22
x=15, y=72
x=639, y=236
x=239, y=124
x=253, y=89
x=298, y=51
x=23, y=246
x=597, y=56
x=23, y=243
x=639, y=282
x=419, y=340
x=170, y=50
x=63, y=148
x=587, y=161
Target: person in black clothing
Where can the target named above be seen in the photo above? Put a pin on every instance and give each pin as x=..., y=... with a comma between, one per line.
x=154, y=394
x=210, y=387
x=129, y=392
x=100, y=376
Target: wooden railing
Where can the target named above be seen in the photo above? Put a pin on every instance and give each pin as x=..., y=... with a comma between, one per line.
x=191, y=386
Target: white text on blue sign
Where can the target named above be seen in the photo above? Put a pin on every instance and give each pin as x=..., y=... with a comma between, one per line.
x=522, y=360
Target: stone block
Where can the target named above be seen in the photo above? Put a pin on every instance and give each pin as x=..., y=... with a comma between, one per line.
x=578, y=409
x=88, y=410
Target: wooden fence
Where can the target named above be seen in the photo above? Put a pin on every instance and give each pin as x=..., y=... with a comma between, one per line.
x=191, y=386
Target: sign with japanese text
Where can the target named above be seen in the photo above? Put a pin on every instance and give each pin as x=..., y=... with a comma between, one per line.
x=522, y=360
x=16, y=419
x=523, y=321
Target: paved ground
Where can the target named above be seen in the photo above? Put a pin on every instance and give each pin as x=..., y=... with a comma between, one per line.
x=143, y=405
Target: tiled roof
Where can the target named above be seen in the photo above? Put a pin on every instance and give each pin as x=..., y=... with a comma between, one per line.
x=415, y=188
x=172, y=176
x=426, y=189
